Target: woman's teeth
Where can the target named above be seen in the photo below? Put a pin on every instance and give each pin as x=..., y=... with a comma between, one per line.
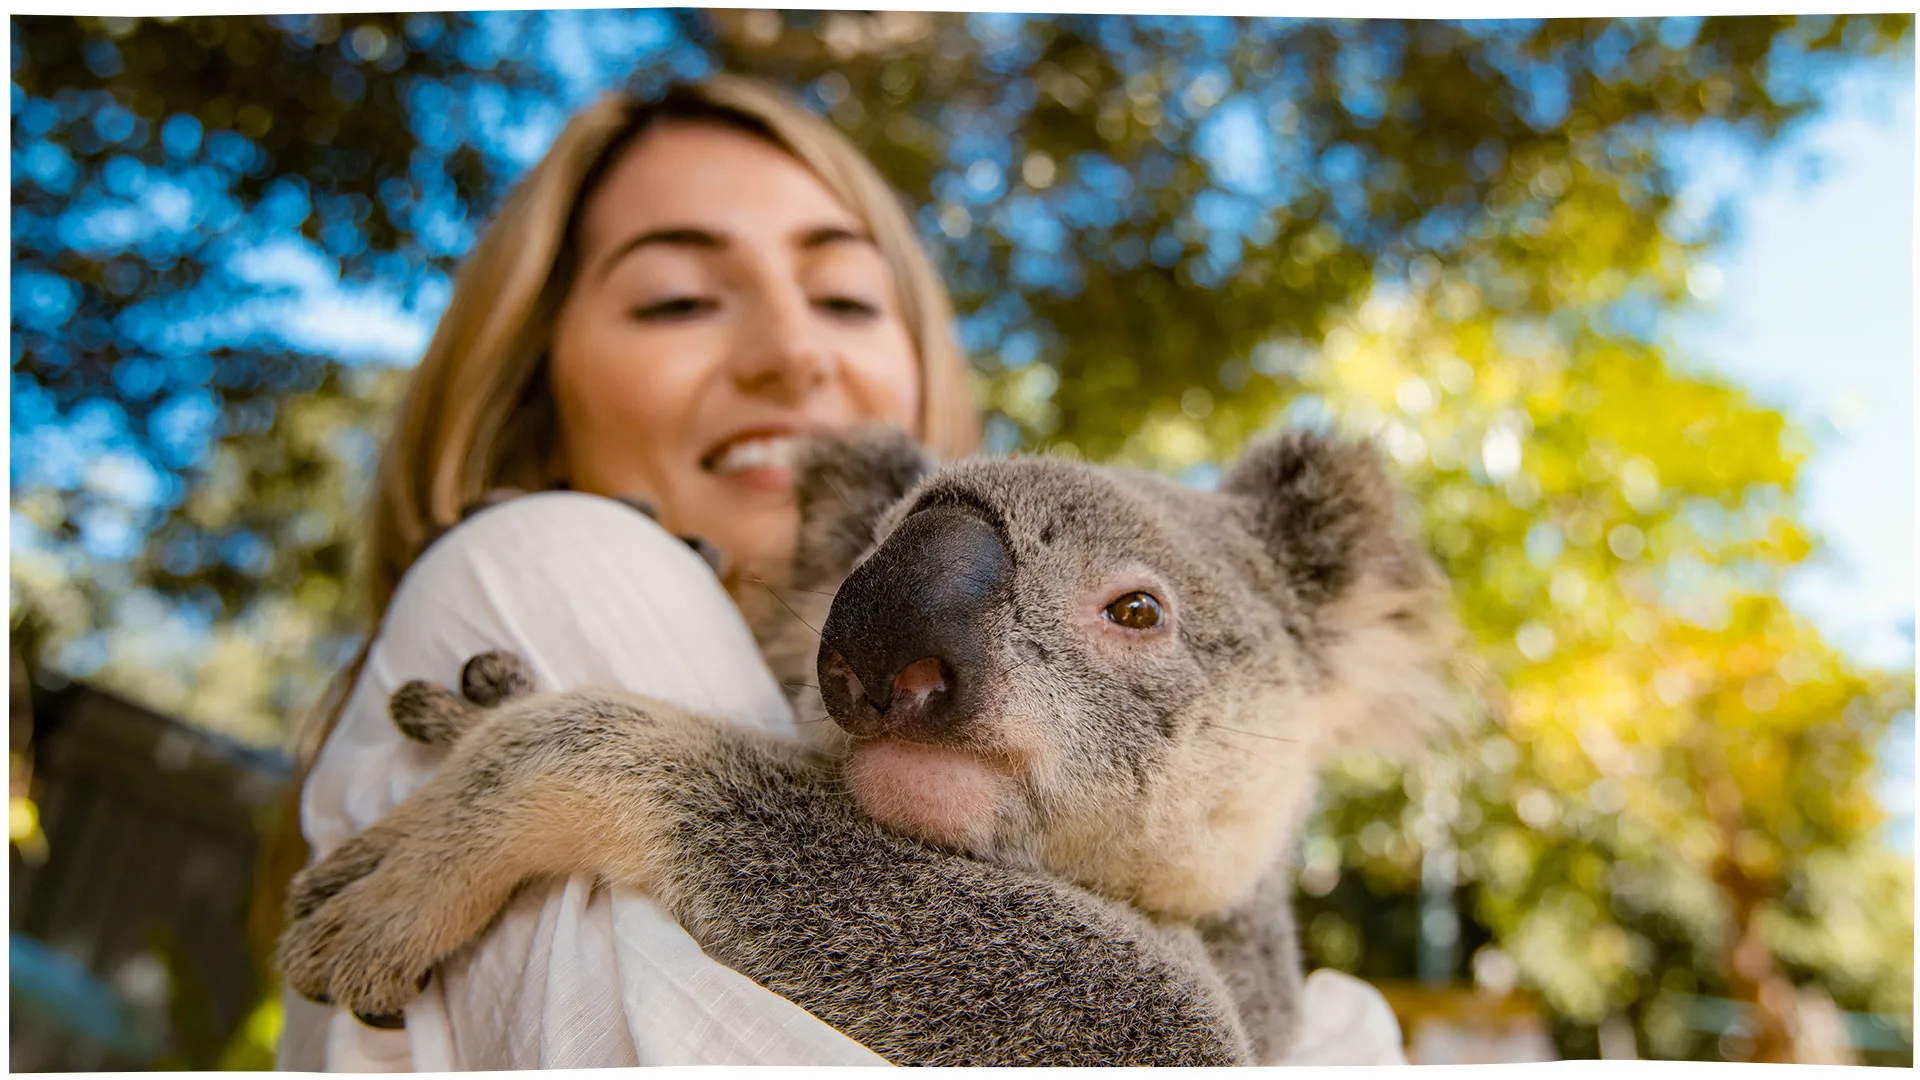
x=777, y=452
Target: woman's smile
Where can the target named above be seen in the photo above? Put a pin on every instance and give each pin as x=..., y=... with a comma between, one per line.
x=758, y=460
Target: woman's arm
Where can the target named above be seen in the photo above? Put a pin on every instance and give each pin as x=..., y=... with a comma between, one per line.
x=591, y=593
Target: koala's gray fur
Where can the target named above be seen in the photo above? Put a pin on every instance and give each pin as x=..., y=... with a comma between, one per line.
x=1119, y=897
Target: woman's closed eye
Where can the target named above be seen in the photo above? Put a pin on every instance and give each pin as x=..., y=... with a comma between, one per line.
x=674, y=308
x=847, y=307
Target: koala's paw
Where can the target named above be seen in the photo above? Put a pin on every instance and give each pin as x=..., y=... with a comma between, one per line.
x=429, y=713
x=535, y=786
x=361, y=935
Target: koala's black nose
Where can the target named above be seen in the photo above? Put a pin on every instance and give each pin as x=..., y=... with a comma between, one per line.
x=905, y=644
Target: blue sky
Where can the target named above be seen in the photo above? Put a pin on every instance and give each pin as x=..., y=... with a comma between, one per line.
x=1812, y=308
x=1813, y=311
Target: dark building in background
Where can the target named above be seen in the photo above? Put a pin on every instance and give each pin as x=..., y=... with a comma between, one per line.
x=128, y=939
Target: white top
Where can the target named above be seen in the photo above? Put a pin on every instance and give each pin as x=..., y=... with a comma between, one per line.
x=577, y=975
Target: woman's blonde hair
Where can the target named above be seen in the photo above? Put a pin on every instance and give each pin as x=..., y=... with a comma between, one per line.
x=478, y=414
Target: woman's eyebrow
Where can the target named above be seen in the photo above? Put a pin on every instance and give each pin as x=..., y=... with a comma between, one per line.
x=689, y=236
x=678, y=236
x=825, y=235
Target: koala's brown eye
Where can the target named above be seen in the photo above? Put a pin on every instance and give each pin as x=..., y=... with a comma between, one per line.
x=1135, y=611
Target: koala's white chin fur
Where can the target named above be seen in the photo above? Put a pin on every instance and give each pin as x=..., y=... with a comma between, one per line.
x=931, y=793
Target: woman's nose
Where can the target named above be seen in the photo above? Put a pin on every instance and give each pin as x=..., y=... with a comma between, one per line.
x=780, y=351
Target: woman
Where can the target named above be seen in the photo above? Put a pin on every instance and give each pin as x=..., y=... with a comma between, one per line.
x=678, y=292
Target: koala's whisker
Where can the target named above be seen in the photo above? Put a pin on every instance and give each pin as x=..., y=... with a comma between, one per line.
x=1253, y=734
x=837, y=490
x=770, y=587
x=1014, y=668
x=775, y=593
x=1259, y=753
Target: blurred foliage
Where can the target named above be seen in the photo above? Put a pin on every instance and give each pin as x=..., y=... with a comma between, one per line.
x=1163, y=234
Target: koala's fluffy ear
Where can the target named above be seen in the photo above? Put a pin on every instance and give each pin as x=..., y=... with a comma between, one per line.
x=1378, y=612
x=1325, y=508
x=846, y=485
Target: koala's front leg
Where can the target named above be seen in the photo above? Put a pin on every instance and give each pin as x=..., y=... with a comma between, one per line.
x=542, y=785
x=925, y=957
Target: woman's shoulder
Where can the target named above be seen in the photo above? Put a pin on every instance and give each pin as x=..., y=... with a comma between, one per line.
x=557, y=511
x=589, y=592
x=544, y=528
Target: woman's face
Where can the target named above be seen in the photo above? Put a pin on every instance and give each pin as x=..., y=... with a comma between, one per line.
x=725, y=304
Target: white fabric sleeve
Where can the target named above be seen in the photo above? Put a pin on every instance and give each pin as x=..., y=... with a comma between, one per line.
x=573, y=975
x=1344, y=1021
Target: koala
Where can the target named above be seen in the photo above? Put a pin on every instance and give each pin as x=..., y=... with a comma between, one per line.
x=1076, y=716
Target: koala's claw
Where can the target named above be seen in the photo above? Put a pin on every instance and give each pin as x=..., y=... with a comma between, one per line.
x=494, y=678
x=392, y=1021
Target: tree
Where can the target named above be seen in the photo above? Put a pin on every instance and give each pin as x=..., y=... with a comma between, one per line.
x=1163, y=234
x=1679, y=759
